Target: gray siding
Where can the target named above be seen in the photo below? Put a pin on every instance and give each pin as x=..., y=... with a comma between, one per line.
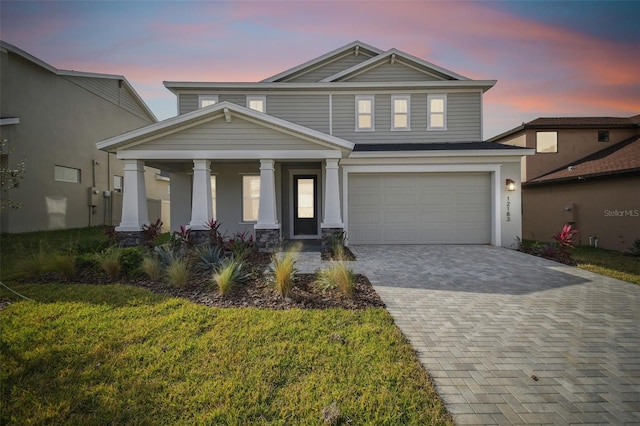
x=388, y=72
x=306, y=110
x=331, y=68
x=189, y=101
x=237, y=135
x=108, y=89
x=235, y=99
x=463, y=120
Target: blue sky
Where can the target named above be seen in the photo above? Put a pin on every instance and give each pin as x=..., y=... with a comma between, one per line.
x=550, y=58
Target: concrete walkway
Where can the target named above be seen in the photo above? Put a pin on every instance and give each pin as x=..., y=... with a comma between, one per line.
x=510, y=338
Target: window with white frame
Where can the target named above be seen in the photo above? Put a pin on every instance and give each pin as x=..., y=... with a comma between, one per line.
x=546, y=142
x=436, y=112
x=364, y=113
x=400, y=112
x=117, y=183
x=258, y=103
x=213, y=196
x=67, y=174
x=250, y=197
x=206, y=100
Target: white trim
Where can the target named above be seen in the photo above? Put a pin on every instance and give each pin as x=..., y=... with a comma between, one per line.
x=262, y=98
x=371, y=98
x=393, y=113
x=330, y=113
x=227, y=154
x=201, y=98
x=444, y=153
x=8, y=121
x=319, y=185
x=494, y=169
x=431, y=97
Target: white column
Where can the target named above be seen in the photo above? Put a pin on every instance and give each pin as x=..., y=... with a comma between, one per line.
x=332, y=217
x=134, y=199
x=267, y=215
x=201, y=206
x=180, y=200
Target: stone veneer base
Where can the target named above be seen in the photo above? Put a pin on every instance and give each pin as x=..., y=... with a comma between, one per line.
x=268, y=240
x=130, y=238
x=326, y=237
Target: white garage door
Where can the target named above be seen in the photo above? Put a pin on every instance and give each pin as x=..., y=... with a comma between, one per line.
x=419, y=208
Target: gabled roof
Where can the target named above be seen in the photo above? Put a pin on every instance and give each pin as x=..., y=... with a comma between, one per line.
x=220, y=109
x=69, y=73
x=391, y=55
x=327, y=57
x=601, y=123
x=621, y=158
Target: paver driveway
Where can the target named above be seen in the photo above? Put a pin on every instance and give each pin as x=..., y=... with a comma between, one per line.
x=484, y=320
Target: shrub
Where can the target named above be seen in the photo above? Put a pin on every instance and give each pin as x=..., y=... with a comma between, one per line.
x=151, y=232
x=152, y=267
x=131, y=260
x=178, y=272
x=230, y=272
x=109, y=261
x=210, y=256
x=565, y=239
x=338, y=275
x=182, y=239
x=168, y=253
x=35, y=263
x=240, y=244
x=64, y=264
x=216, y=238
x=284, y=270
x=635, y=248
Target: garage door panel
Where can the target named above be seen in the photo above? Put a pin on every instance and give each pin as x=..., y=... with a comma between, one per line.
x=420, y=208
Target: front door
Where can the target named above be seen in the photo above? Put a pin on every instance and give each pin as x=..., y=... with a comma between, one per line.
x=305, y=205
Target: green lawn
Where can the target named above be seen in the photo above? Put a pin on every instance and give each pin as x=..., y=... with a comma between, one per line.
x=88, y=354
x=608, y=262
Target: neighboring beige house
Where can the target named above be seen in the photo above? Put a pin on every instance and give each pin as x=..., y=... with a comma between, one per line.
x=586, y=172
x=53, y=118
x=381, y=144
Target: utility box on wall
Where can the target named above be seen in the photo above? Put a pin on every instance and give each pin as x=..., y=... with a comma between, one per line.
x=570, y=213
x=93, y=196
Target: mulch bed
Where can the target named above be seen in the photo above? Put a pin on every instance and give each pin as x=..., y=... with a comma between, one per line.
x=257, y=292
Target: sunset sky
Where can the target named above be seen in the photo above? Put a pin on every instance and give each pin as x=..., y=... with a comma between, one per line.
x=550, y=58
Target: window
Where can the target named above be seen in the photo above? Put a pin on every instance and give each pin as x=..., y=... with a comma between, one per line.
x=117, y=183
x=258, y=103
x=400, y=112
x=603, y=136
x=250, y=197
x=206, y=100
x=213, y=196
x=436, y=112
x=67, y=174
x=546, y=142
x=364, y=113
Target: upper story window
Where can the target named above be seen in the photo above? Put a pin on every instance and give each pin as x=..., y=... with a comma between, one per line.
x=250, y=197
x=400, y=112
x=206, y=100
x=258, y=103
x=364, y=113
x=67, y=174
x=603, y=136
x=546, y=142
x=436, y=112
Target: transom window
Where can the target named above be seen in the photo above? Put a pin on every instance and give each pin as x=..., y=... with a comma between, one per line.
x=206, y=100
x=400, y=117
x=364, y=113
x=546, y=142
x=258, y=103
x=250, y=197
x=436, y=112
x=67, y=174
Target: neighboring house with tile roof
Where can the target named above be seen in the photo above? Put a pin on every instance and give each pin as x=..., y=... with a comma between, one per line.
x=52, y=118
x=380, y=144
x=586, y=171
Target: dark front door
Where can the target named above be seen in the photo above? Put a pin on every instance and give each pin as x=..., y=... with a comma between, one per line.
x=305, y=205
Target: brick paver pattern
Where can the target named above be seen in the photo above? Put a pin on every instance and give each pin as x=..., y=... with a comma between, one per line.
x=486, y=320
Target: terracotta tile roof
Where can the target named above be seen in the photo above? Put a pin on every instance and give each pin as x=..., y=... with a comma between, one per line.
x=623, y=157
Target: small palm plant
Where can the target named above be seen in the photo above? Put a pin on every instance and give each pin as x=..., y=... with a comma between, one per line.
x=284, y=270
x=338, y=275
x=229, y=272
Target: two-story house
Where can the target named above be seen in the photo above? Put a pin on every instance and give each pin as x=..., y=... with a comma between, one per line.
x=52, y=118
x=381, y=144
x=586, y=172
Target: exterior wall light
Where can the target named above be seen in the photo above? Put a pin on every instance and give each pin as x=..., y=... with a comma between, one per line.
x=511, y=185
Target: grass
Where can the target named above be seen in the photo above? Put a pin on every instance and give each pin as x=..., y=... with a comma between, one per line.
x=284, y=270
x=109, y=261
x=229, y=274
x=608, y=262
x=152, y=268
x=86, y=354
x=337, y=275
x=178, y=272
